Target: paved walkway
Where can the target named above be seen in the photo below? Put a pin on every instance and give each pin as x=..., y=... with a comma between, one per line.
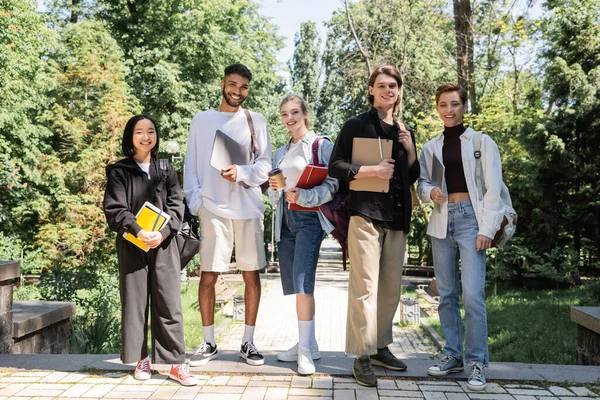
x=86, y=376
x=21, y=385
x=277, y=327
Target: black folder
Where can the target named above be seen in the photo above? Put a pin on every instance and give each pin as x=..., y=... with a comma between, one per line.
x=226, y=152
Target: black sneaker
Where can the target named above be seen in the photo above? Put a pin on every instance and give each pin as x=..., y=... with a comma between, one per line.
x=204, y=353
x=363, y=372
x=250, y=353
x=386, y=359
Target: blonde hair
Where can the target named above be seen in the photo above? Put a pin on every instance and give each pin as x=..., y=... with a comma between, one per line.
x=303, y=106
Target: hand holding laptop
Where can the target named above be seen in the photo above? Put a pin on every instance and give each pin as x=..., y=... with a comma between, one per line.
x=229, y=173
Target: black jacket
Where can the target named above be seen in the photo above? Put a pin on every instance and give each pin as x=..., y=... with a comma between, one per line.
x=376, y=206
x=127, y=189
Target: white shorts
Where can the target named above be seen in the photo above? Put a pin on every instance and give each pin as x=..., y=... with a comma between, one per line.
x=217, y=236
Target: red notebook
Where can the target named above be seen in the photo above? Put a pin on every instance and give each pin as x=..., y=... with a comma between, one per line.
x=313, y=175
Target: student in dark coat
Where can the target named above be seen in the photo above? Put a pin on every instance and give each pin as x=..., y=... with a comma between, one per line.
x=147, y=278
x=378, y=227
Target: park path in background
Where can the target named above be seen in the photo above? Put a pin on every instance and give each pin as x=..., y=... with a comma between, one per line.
x=277, y=327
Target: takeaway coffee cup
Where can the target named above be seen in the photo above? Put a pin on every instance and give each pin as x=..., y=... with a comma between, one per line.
x=279, y=179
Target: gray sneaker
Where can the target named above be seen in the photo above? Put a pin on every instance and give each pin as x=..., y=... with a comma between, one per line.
x=203, y=354
x=386, y=359
x=477, y=378
x=363, y=372
x=447, y=365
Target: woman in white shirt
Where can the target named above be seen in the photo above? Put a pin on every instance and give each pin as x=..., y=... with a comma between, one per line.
x=461, y=226
x=299, y=233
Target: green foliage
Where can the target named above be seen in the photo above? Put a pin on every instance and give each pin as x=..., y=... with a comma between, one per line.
x=10, y=247
x=305, y=68
x=416, y=37
x=591, y=295
x=96, y=327
x=24, y=82
x=90, y=105
x=27, y=292
x=177, y=50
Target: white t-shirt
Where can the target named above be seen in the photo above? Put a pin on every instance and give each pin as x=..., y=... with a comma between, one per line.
x=204, y=186
x=293, y=165
x=144, y=167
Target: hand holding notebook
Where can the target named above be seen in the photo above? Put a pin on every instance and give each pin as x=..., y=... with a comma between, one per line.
x=313, y=175
x=151, y=219
x=370, y=151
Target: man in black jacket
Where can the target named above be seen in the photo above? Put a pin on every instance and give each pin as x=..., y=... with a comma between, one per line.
x=378, y=228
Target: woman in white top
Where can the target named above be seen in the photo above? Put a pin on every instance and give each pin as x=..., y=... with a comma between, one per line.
x=298, y=232
x=461, y=226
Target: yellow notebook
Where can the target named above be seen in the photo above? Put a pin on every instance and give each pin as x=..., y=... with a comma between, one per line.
x=151, y=219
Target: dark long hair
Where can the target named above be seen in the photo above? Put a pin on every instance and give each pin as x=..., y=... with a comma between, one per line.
x=127, y=141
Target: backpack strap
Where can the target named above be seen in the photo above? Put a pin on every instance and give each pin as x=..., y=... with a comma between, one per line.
x=252, y=132
x=315, y=148
x=479, y=180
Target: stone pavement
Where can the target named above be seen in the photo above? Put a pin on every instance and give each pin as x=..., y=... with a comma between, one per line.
x=86, y=376
x=38, y=385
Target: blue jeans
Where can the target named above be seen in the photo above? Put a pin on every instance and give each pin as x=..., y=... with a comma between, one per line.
x=298, y=249
x=460, y=244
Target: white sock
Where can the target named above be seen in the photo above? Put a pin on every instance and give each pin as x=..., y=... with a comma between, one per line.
x=313, y=337
x=209, y=334
x=248, y=334
x=305, y=329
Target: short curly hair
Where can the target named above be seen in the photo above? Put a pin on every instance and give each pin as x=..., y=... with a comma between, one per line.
x=239, y=69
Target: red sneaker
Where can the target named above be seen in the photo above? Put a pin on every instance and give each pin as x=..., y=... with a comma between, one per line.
x=181, y=373
x=143, y=371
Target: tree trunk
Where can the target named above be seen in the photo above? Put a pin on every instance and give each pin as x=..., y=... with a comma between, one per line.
x=465, y=68
x=74, y=11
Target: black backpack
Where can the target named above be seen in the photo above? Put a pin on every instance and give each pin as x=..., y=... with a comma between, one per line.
x=188, y=240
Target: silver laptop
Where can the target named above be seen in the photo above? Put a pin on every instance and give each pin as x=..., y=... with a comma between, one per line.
x=226, y=152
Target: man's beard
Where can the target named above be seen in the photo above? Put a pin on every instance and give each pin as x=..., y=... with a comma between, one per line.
x=228, y=101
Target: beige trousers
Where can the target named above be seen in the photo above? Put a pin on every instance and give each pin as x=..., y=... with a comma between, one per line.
x=376, y=259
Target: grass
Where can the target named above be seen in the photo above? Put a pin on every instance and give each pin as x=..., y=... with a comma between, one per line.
x=530, y=326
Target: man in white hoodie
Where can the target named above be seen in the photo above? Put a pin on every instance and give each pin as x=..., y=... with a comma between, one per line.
x=229, y=206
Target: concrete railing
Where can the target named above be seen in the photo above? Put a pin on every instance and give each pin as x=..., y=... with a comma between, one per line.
x=31, y=327
x=588, y=334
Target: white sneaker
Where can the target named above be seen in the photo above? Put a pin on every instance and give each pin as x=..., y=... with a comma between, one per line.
x=306, y=365
x=291, y=354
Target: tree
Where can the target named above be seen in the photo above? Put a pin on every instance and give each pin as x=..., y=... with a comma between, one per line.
x=465, y=65
x=305, y=69
x=570, y=144
x=177, y=50
x=23, y=139
x=411, y=36
x=90, y=105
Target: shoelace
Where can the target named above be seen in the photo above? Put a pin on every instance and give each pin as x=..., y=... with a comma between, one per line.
x=251, y=349
x=184, y=371
x=204, y=346
x=364, y=366
x=476, y=372
x=445, y=361
x=143, y=365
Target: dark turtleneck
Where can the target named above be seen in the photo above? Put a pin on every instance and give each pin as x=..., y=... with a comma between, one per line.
x=452, y=159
